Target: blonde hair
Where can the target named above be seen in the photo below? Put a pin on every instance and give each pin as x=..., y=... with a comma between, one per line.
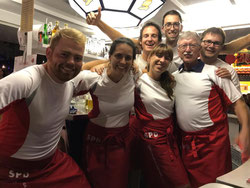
x=69, y=33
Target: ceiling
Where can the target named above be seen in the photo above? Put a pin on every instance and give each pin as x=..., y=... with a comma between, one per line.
x=197, y=15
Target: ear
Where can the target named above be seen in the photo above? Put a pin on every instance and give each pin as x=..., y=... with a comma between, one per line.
x=181, y=27
x=48, y=53
x=162, y=30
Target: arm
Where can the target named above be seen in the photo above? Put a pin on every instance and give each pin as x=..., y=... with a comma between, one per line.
x=95, y=19
x=236, y=45
x=91, y=64
x=242, y=112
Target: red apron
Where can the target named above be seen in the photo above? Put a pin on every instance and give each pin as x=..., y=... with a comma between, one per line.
x=206, y=154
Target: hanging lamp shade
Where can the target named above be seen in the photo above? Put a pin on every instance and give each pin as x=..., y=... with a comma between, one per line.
x=119, y=13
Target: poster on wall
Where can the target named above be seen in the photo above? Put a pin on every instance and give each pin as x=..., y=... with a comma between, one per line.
x=24, y=61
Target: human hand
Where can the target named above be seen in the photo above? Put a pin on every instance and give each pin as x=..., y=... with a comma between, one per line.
x=94, y=18
x=135, y=68
x=243, y=140
x=223, y=73
x=98, y=68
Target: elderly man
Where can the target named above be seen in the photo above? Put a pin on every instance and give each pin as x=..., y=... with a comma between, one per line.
x=201, y=101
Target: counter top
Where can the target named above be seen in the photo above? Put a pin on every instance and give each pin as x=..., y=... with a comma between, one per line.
x=237, y=177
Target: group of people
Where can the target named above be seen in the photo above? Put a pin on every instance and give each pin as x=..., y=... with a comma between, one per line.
x=190, y=104
x=202, y=96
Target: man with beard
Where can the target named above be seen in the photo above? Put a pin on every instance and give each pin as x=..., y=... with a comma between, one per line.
x=202, y=99
x=34, y=103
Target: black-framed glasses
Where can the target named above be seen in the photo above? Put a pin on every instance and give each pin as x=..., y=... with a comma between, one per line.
x=176, y=25
x=209, y=42
x=191, y=46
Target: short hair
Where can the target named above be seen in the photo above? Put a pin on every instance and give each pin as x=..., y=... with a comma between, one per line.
x=122, y=40
x=171, y=12
x=189, y=35
x=154, y=25
x=214, y=30
x=162, y=49
x=69, y=33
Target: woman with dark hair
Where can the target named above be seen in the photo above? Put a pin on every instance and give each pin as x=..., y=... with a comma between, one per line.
x=154, y=106
x=106, y=139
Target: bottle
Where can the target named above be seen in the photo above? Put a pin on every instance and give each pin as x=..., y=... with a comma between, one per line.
x=66, y=26
x=45, y=34
x=56, y=28
x=88, y=103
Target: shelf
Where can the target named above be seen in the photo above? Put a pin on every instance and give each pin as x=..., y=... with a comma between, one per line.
x=42, y=51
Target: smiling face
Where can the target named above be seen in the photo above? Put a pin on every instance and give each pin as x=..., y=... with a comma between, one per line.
x=150, y=38
x=188, y=50
x=159, y=59
x=121, y=60
x=211, y=46
x=65, y=61
x=172, y=28
x=158, y=64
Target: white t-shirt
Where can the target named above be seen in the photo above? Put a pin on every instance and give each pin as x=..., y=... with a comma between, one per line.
x=140, y=62
x=201, y=97
x=234, y=76
x=152, y=102
x=34, y=110
x=176, y=62
x=112, y=101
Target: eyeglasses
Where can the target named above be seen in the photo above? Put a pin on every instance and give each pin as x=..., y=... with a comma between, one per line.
x=191, y=46
x=119, y=56
x=176, y=25
x=209, y=42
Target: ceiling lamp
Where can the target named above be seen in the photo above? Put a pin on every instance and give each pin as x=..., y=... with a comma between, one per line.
x=119, y=13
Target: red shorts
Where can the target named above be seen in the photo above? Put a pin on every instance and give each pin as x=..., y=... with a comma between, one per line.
x=160, y=162
x=106, y=156
x=206, y=154
x=57, y=171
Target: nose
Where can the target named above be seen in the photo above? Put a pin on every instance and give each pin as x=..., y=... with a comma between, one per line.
x=70, y=60
x=162, y=59
x=188, y=48
x=123, y=61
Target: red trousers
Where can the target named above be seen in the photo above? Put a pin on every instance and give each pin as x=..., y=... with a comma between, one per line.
x=206, y=154
x=57, y=171
x=106, y=156
x=160, y=160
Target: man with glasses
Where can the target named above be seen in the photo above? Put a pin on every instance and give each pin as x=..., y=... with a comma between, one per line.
x=201, y=101
x=212, y=44
x=172, y=27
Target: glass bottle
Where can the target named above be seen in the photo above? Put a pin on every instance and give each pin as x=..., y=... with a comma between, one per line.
x=45, y=34
x=66, y=26
x=56, y=28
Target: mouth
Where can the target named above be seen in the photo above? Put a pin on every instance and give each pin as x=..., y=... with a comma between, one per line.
x=122, y=68
x=150, y=45
x=210, y=51
x=172, y=34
